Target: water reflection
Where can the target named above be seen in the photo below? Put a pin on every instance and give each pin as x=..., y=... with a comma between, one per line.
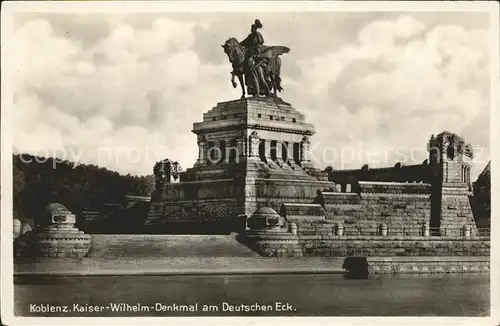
x=325, y=295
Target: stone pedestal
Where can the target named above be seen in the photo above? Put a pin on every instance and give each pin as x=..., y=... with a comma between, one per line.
x=57, y=236
x=426, y=229
x=266, y=219
x=467, y=231
x=339, y=229
x=253, y=177
x=383, y=230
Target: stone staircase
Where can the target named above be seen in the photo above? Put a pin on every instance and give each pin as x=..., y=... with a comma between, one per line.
x=164, y=246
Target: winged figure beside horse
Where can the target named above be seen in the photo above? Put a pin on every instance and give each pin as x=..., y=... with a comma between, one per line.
x=256, y=65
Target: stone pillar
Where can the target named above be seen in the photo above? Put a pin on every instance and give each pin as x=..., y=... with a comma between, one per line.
x=240, y=145
x=339, y=229
x=305, y=146
x=253, y=145
x=279, y=153
x=267, y=153
x=213, y=152
x=293, y=228
x=467, y=231
x=383, y=230
x=227, y=151
x=290, y=160
x=202, y=150
x=426, y=229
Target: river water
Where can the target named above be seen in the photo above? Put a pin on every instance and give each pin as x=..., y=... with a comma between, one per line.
x=304, y=295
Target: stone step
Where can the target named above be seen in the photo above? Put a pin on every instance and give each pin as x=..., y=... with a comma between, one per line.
x=148, y=245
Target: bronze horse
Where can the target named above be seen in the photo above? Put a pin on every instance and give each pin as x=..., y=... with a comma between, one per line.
x=237, y=55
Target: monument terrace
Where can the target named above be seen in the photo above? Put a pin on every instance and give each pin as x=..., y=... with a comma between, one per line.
x=254, y=176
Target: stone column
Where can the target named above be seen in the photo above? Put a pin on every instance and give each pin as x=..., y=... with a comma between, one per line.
x=226, y=151
x=240, y=145
x=305, y=146
x=290, y=160
x=267, y=153
x=202, y=150
x=279, y=153
x=267, y=149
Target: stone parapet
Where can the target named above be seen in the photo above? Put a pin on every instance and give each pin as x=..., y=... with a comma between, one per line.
x=327, y=244
x=414, y=189
x=397, y=173
x=272, y=244
x=339, y=198
x=395, y=246
x=296, y=212
x=276, y=192
x=394, y=238
x=403, y=208
x=307, y=228
x=426, y=265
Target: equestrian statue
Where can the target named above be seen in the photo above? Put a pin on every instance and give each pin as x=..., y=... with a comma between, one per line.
x=254, y=64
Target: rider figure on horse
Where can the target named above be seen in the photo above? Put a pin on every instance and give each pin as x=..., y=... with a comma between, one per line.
x=256, y=65
x=254, y=41
x=255, y=61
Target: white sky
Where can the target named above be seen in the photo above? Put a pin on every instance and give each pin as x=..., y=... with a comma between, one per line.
x=122, y=91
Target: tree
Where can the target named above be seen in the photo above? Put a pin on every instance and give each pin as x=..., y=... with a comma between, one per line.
x=84, y=186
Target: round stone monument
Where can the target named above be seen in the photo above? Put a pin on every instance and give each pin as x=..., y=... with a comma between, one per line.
x=58, y=237
x=267, y=219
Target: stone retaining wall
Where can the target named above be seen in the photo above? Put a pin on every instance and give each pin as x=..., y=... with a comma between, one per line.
x=402, y=207
x=290, y=245
x=400, y=173
x=393, y=246
x=270, y=244
x=434, y=265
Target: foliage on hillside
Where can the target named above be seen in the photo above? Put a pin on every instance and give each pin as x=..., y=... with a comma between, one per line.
x=481, y=203
x=77, y=186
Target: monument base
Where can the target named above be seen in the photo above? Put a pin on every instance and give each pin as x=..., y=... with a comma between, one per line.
x=57, y=238
x=53, y=243
x=253, y=152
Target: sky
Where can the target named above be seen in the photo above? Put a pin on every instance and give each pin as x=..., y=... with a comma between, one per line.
x=123, y=90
